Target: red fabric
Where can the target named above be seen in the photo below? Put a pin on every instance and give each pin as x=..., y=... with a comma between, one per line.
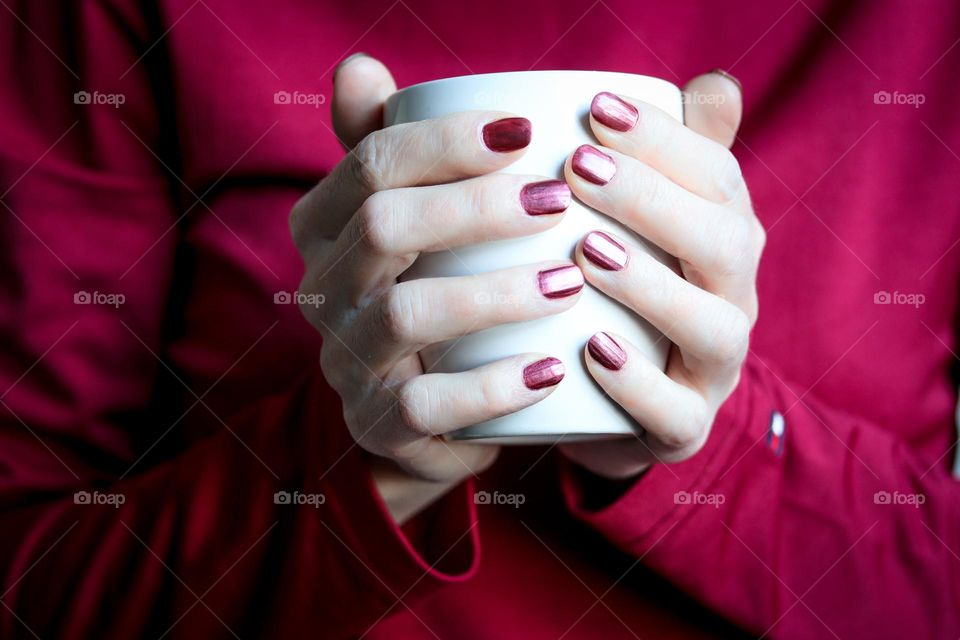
x=858, y=198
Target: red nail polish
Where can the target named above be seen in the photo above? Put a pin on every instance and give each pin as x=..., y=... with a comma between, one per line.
x=604, y=251
x=549, y=196
x=593, y=165
x=560, y=282
x=543, y=373
x=611, y=111
x=606, y=351
x=507, y=134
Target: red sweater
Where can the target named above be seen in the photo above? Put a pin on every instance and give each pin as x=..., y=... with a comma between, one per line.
x=194, y=398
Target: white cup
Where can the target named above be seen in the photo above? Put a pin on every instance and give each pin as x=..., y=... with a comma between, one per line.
x=558, y=105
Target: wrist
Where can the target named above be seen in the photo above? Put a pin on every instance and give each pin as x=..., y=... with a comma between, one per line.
x=404, y=495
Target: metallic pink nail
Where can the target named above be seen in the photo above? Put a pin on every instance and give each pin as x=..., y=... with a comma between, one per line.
x=611, y=111
x=560, y=282
x=606, y=351
x=549, y=196
x=507, y=134
x=604, y=251
x=543, y=373
x=593, y=165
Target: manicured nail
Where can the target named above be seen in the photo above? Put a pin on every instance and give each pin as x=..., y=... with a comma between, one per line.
x=593, y=165
x=611, y=111
x=560, y=282
x=549, y=196
x=606, y=351
x=507, y=134
x=721, y=72
x=604, y=251
x=543, y=373
x=348, y=60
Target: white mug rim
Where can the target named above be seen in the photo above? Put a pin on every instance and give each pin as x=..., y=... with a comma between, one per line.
x=506, y=75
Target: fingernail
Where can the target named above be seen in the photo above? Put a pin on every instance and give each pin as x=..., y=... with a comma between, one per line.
x=611, y=111
x=604, y=251
x=543, y=373
x=731, y=78
x=560, y=282
x=347, y=60
x=507, y=134
x=549, y=196
x=606, y=351
x=592, y=165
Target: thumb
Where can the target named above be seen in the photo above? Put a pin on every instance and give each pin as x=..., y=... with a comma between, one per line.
x=361, y=84
x=713, y=106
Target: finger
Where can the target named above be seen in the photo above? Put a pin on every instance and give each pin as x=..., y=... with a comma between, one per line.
x=434, y=404
x=460, y=145
x=427, y=406
x=651, y=135
x=674, y=417
x=361, y=84
x=410, y=315
x=722, y=247
x=713, y=106
x=711, y=333
x=393, y=226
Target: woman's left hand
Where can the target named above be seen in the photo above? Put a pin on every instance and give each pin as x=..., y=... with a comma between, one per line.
x=680, y=188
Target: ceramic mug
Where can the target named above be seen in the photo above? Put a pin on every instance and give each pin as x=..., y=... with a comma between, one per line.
x=558, y=105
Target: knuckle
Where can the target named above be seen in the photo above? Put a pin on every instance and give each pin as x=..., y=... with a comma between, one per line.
x=691, y=432
x=368, y=161
x=657, y=285
x=475, y=194
x=728, y=180
x=494, y=396
x=329, y=363
x=373, y=224
x=413, y=405
x=732, y=339
x=698, y=428
x=397, y=315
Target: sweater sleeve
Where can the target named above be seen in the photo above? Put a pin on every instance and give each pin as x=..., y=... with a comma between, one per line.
x=791, y=515
x=270, y=525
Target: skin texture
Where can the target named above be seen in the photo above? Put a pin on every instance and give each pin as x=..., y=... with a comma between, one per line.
x=366, y=222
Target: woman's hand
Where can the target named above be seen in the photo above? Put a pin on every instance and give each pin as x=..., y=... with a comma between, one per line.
x=365, y=223
x=681, y=189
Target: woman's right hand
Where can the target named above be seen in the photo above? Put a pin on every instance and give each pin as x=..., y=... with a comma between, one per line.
x=400, y=191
